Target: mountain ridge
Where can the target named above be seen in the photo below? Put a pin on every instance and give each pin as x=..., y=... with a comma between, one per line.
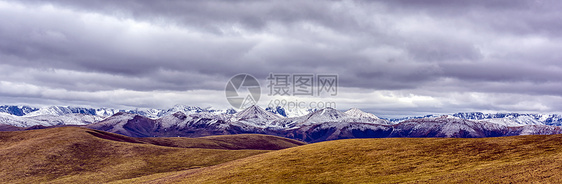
x=320, y=125
x=511, y=119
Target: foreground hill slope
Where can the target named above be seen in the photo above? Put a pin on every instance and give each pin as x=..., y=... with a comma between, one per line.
x=80, y=155
x=392, y=160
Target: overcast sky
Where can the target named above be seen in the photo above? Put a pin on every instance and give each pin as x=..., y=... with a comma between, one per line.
x=393, y=57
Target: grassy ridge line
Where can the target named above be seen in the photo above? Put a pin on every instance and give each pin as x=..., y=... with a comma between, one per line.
x=230, y=142
x=393, y=160
x=80, y=155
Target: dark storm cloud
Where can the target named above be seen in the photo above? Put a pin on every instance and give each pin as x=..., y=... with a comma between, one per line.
x=203, y=14
x=425, y=47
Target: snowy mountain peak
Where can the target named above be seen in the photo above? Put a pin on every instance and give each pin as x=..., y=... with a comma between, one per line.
x=255, y=112
x=289, y=112
x=52, y=110
x=180, y=107
x=357, y=113
x=325, y=115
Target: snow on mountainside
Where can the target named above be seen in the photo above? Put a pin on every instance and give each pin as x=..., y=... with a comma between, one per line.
x=253, y=116
x=356, y=113
x=321, y=125
x=319, y=116
x=17, y=110
x=508, y=119
x=251, y=120
x=68, y=119
x=102, y=112
x=325, y=115
x=337, y=118
x=180, y=120
x=514, y=119
x=172, y=125
x=539, y=130
x=352, y=115
x=471, y=128
x=53, y=110
x=443, y=126
x=194, y=110
x=158, y=113
x=18, y=121
x=399, y=120
x=116, y=123
x=177, y=119
x=520, y=121
x=24, y=116
x=106, y=112
x=48, y=120
x=289, y=112
x=448, y=126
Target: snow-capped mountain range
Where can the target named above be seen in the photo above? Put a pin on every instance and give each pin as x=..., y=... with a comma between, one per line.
x=105, y=112
x=25, y=116
x=321, y=125
x=316, y=125
x=251, y=120
x=514, y=119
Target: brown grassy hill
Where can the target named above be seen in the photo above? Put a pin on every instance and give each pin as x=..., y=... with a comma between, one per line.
x=393, y=160
x=4, y=127
x=230, y=142
x=80, y=155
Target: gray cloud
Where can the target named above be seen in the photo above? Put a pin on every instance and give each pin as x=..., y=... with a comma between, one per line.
x=425, y=48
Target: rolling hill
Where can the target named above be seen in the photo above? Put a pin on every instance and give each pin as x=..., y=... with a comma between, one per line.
x=81, y=155
x=516, y=159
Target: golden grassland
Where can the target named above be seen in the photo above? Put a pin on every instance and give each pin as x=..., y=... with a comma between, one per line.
x=80, y=155
x=518, y=159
